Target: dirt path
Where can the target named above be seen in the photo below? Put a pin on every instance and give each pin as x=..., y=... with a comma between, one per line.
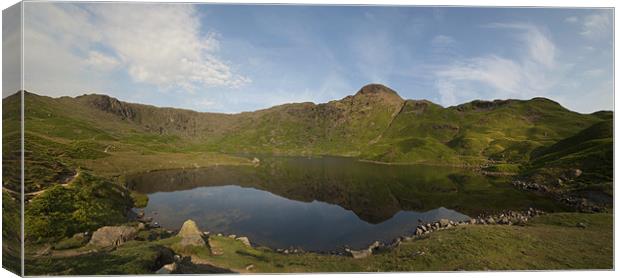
x=32, y=194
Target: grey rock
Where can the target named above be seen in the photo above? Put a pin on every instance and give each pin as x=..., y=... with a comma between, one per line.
x=190, y=234
x=418, y=232
x=375, y=245
x=359, y=254
x=245, y=241
x=167, y=269
x=113, y=235
x=444, y=222
x=491, y=220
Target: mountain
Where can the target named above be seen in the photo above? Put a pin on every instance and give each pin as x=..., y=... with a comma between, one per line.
x=374, y=124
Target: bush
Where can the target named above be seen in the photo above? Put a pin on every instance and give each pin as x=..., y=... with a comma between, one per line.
x=87, y=203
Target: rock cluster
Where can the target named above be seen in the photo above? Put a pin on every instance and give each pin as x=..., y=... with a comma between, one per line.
x=578, y=203
x=508, y=217
x=530, y=186
x=581, y=204
x=290, y=250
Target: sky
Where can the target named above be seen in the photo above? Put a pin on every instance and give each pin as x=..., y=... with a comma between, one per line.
x=232, y=58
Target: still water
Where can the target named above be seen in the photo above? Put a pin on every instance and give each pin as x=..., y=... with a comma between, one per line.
x=323, y=203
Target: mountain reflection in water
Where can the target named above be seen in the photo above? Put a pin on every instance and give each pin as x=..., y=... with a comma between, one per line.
x=322, y=203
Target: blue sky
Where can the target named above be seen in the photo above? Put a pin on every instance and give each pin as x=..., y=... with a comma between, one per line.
x=229, y=58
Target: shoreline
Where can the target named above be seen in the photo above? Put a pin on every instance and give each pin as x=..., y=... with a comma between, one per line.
x=505, y=217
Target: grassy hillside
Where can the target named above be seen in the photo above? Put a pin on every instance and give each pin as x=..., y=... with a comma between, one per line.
x=479, y=132
x=375, y=123
x=107, y=135
x=582, y=162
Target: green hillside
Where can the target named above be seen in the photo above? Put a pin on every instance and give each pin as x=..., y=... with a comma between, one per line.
x=582, y=162
x=107, y=135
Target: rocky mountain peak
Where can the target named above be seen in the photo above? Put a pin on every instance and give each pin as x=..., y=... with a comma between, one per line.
x=376, y=89
x=378, y=92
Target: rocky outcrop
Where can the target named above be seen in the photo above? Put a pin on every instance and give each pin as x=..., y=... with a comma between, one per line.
x=245, y=241
x=112, y=236
x=364, y=253
x=190, y=234
x=167, y=269
x=110, y=105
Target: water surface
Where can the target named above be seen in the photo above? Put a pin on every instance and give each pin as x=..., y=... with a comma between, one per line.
x=323, y=203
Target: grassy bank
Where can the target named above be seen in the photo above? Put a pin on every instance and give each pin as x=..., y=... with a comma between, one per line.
x=552, y=241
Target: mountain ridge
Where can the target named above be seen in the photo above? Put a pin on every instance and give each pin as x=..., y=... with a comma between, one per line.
x=375, y=123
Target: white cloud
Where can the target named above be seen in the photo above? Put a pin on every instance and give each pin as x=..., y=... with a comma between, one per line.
x=596, y=26
x=528, y=75
x=502, y=74
x=161, y=45
x=571, y=19
x=102, y=61
x=540, y=48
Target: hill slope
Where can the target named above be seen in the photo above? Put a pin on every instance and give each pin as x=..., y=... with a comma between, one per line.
x=374, y=124
x=580, y=164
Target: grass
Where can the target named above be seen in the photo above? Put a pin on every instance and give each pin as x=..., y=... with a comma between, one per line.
x=551, y=241
x=11, y=234
x=131, y=258
x=71, y=242
x=126, y=163
x=140, y=200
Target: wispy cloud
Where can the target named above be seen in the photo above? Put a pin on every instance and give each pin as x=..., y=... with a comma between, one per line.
x=527, y=75
x=593, y=26
x=102, y=61
x=159, y=45
x=596, y=26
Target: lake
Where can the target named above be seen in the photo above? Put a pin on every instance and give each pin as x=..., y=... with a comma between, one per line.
x=324, y=203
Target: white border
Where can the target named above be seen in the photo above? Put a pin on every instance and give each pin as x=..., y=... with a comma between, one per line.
x=503, y=3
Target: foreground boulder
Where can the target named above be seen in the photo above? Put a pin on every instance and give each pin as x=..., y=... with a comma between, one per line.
x=167, y=269
x=112, y=236
x=190, y=234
